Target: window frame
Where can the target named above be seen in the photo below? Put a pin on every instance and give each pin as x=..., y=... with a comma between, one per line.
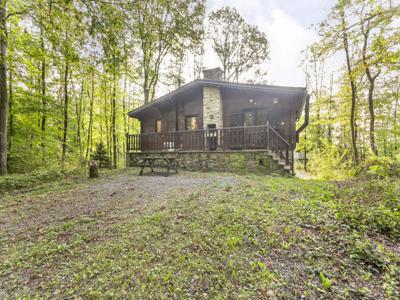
x=197, y=122
x=156, y=126
x=254, y=112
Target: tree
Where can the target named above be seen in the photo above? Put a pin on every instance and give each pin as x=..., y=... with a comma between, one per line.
x=101, y=156
x=162, y=28
x=374, y=26
x=3, y=88
x=360, y=103
x=239, y=46
x=66, y=35
x=351, y=78
x=336, y=28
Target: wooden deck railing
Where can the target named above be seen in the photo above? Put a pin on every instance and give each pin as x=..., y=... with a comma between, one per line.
x=223, y=139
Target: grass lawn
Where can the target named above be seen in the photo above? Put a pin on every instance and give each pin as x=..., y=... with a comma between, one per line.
x=201, y=235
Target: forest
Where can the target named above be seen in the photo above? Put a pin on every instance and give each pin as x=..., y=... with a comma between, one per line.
x=71, y=70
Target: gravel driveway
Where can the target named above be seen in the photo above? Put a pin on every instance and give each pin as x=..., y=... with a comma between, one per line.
x=115, y=197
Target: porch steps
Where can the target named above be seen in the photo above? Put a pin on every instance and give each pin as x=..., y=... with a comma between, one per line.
x=280, y=161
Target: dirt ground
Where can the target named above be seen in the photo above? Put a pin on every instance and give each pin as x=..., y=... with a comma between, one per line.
x=116, y=197
x=197, y=236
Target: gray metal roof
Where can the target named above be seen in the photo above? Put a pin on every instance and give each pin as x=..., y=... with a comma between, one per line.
x=301, y=91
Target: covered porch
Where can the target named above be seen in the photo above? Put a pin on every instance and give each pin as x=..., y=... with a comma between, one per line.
x=243, y=138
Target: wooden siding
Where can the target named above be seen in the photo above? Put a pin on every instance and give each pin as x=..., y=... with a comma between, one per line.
x=237, y=102
x=234, y=101
x=167, y=114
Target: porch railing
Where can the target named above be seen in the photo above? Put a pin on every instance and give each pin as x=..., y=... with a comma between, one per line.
x=222, y=139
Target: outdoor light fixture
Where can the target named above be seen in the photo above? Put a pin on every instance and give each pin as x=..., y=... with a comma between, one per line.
x=251, y=100
x=274, y=100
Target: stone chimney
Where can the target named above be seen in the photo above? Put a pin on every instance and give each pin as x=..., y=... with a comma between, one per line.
x=213, y=74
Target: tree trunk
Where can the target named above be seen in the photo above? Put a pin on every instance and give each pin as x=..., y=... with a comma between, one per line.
x=78, y=111
x=353, y=93
x=124, y=112
x=146, y=89
x=330, y=101
x=371, y=80
x=395, y=126
x=3, y=89
x=90, y=128
x=106, y=123
x=372, y=117
x=65, y=129
x=43, y=92
x=305, y=152
x=114, y=134
x=10, y=111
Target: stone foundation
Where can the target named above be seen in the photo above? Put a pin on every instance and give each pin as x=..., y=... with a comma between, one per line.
x=232, y=161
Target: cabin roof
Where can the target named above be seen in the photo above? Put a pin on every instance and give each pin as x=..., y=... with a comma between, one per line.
x=300, y=91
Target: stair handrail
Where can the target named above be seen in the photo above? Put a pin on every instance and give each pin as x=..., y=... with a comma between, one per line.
x=278, y=135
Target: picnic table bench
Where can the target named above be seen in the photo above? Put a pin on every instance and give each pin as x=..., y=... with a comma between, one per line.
x=152, y=162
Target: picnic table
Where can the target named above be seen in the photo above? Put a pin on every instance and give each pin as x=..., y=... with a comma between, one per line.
x=168, y=162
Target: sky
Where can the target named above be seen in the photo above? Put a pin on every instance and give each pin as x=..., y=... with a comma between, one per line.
x=287, y=26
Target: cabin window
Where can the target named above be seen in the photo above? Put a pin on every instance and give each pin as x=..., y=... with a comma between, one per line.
x=236, y=120
x=250, y=118
x=158, y=125
x=191, y=123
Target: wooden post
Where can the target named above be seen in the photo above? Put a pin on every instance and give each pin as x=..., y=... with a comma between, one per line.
x=292, y=162
x=127, y=143
x=245, y=138
x=287, y=154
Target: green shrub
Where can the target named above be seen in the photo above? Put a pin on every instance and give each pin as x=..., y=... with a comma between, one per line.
x=330, y=162
x=379, y=167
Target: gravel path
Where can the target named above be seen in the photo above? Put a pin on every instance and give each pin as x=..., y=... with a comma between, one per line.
x=116, y=198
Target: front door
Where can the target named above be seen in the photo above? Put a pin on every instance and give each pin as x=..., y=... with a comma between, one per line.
x=212, y=137
x=250, y=118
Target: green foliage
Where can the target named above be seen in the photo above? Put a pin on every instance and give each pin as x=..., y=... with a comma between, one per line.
x=326, y=283
x=354, y=102
x=370, y=253
x=239, y=50
x=101, y=156
x=18, y=181
x=371, y=206
x=329, y=162
x=379, y=167
x=69, y=76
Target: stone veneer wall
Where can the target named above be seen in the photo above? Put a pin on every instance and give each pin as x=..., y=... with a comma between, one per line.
x=212, y=106
x=249, y=161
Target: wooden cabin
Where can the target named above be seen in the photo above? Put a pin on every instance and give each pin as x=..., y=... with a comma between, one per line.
x=210, y=114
